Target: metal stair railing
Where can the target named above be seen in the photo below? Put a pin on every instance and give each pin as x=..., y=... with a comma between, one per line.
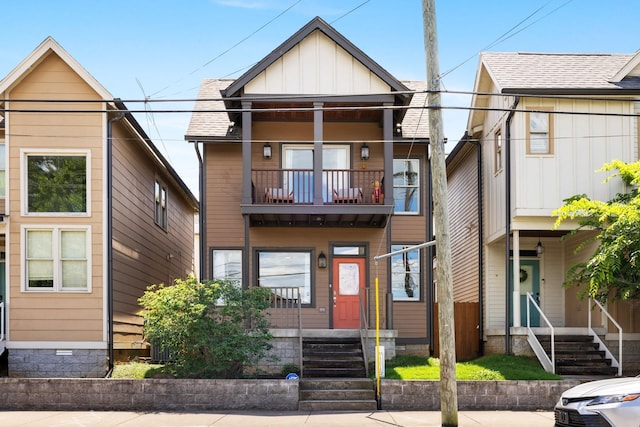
x=616, y=363
x=549, y=365
x=364, y=330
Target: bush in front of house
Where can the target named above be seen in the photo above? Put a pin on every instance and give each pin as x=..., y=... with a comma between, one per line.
x=211, y=329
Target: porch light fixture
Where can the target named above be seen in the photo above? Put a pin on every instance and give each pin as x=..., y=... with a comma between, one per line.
x=539, y=248
x=322, y=260
x=266, y=151
x=364, y=152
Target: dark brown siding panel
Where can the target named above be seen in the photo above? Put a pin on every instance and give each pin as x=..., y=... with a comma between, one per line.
x=143, y=252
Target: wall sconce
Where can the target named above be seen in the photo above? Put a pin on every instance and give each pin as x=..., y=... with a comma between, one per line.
x=539, y=248
x=322, y=260
x=364, y=152
x=266, y=151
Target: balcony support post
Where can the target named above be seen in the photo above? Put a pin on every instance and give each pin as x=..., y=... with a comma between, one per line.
x=317, y=152
x=387, y=134
x=246, y=153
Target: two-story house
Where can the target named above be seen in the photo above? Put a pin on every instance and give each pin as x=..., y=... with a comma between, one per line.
x=91, y=214
x=539, y=127
x=313, y=162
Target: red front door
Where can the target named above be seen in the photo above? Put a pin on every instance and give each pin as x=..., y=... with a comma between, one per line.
x=348, y=284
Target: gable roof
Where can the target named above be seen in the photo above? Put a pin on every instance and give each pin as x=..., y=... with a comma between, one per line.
x=315, y=24
x=557, y=73
x=211, y=122
x=45, y=48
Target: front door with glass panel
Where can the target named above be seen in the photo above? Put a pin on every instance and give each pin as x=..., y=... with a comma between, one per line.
x=347, y=285
x=529, y=278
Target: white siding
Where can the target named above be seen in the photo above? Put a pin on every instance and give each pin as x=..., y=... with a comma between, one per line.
x=317, y=65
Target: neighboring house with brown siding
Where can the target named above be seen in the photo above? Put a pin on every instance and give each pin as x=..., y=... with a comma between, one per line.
x=273, y=213
x=539, y=128
x=93, y=214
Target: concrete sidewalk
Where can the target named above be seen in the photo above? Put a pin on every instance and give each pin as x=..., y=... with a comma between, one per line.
x=276, y=419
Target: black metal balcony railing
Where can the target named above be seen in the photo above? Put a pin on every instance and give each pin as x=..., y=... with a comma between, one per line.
x=296, y=186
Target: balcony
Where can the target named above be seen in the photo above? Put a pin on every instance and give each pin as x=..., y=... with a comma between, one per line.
x=292, y=197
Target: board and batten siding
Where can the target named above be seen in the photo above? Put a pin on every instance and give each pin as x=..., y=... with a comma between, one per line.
x=54, y=316
x=581, y=145
x=143, y=252
x=316, y=65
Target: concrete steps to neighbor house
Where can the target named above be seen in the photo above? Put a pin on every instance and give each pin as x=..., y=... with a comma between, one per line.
x=578, y=355
x=333, y=357
x=337, y=394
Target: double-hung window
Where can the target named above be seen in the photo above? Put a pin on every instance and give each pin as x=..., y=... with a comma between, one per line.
x=540, y=133
x=56, y=183
x=57, y=258
x=405, y=274
x=406, y=186
x=161, y=204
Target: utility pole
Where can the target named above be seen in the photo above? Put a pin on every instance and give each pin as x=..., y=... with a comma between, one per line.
x=444, y=282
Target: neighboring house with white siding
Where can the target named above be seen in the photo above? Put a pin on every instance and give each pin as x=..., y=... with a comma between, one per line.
x=540, y=125
x=91, y=213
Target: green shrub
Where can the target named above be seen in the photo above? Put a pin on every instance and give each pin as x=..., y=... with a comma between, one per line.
x=211, y=329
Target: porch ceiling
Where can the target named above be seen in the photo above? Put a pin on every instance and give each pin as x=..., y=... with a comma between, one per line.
x=318, y=216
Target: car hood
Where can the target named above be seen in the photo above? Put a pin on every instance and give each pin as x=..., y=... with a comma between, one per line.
x=605, y=387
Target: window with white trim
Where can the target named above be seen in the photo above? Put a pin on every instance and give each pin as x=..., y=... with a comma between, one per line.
x=161, y=204
x=3, y=169
x=405, y=274
x=56, y=183
x=56, y=259
x=406, y=186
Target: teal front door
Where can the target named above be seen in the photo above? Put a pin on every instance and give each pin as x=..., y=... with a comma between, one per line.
x=529, y=279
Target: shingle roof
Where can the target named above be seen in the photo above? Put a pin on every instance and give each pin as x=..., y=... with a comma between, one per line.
x=516, y=70
x=416, y=120
x=210, y=121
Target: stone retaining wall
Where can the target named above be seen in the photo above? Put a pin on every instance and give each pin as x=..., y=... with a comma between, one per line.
x=265, y=395
x=475, y=395
x=147, y=395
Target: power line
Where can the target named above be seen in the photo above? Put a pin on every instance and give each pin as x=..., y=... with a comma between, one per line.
x=229, y=49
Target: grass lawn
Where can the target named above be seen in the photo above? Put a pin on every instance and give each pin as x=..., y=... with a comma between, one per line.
x=493, y=367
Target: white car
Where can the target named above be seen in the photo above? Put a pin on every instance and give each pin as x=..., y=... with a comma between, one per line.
x=613, y=402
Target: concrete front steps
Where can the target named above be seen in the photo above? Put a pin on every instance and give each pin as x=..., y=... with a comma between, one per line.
x=337, y=394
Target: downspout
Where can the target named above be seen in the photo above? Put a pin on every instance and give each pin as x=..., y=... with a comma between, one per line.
x=110, y=122
x=202, y=213
x=480, y=243
x=507, y=226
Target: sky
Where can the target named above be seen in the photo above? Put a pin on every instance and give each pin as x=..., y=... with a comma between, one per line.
x=162, y=49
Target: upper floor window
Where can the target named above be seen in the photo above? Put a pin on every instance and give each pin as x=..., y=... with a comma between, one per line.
x=56, y=183
x=161, y=204
x=56, y=259
x=497, y=142
x=539, y=135
x=406, y=186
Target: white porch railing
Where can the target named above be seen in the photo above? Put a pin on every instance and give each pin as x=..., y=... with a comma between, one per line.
x=616, y=363
x=548, y=364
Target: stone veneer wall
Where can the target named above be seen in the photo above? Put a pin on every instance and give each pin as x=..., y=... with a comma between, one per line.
x=48, y=363
x=46, y=394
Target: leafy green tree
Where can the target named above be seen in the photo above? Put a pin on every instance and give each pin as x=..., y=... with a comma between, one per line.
x=211, y=329
x=57, y=183
x=612, y=272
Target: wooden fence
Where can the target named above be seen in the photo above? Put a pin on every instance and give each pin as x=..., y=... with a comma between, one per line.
x=466, y=329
